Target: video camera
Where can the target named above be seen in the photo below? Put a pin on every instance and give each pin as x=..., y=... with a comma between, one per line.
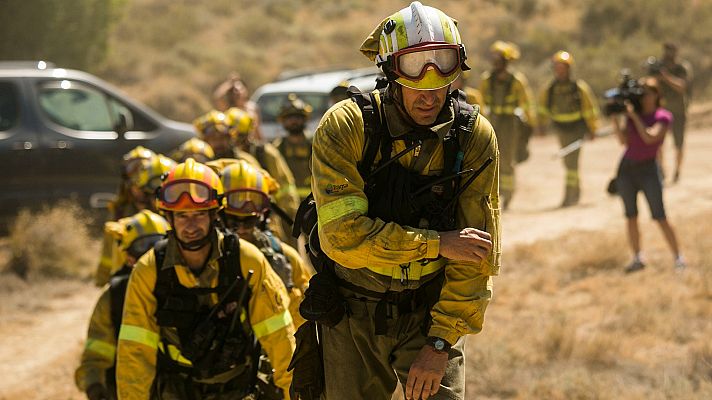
x=629, y=89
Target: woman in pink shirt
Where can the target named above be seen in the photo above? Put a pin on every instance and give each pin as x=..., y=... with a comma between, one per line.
x=645, y=130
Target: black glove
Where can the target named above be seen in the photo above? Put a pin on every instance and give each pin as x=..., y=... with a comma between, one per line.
x=97, y=391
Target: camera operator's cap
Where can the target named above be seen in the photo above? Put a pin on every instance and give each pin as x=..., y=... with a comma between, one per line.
x=418, y=47
x=508, y=50
x=564, y=57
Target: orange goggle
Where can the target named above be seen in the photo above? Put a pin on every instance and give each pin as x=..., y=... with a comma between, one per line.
x=195, y=192
x=246, y=202
x=412, y=63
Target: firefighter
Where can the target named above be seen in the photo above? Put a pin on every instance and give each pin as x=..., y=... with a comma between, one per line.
x=268, y=158
x=133, y=236
x=200, y=304
x=247, y=204
x=295, y=147
x=509, y=105
x=142, y=181
x=573, y=110
x=408, y=220
x=194, y=148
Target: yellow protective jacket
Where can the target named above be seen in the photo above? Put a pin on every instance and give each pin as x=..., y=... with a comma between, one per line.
x=570, y=101
x=112, y=257
x=100, y=348
x=370, y=252
x=297, y=156
x=141, y=338
x=272, y=161
x=499, y=101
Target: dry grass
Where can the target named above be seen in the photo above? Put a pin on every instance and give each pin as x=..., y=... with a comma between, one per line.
x=571, y=325
x=53, y=242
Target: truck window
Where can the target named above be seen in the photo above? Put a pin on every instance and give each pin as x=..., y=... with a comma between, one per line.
x=135, y=121
x=76, y=106
x=9, y=108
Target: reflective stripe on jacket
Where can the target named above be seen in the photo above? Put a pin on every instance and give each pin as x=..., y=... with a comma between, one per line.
x=140, y=335
x=370, y=252
x=519, y=97
x=100, y=348
x=568, y=106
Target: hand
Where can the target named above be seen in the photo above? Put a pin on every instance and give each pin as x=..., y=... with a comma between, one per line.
x=97, y=391
x=425, y=373
x=629, y=108
x=469, y=244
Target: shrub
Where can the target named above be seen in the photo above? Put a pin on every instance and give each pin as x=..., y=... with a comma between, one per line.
x=54, y=242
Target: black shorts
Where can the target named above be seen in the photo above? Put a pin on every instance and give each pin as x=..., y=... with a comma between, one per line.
x=634, y=176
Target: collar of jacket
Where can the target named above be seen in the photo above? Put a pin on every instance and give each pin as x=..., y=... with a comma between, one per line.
x=173, y=256
x=398, y=125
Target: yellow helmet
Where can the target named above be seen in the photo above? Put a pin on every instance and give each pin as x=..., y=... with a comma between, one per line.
x=211, y=123
x=508, y=50
x=294, y=106
x=419, y=47
x=138, y=233
x=132, y=160
x=150, y=172
x=239, y=122
x=190, y=186
x=247, y=189
x=194, y=148
x=563, y=57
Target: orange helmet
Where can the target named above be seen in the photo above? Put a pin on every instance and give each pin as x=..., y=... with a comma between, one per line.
x=190, y=186
x=247, y=189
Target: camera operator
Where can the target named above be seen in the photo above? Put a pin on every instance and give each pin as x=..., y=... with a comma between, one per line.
x=674, y=80
x=646, y=124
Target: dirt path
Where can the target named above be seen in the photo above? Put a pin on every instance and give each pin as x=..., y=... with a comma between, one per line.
x=42, y=328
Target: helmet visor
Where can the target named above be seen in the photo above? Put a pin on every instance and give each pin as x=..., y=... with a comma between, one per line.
x=247, y=202
x=141, y=245
x=412, y=63
x=197, y=192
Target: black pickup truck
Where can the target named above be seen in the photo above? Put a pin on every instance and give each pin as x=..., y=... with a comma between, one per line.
x=63, y=133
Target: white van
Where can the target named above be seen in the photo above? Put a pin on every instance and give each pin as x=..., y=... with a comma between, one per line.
x=313, y=88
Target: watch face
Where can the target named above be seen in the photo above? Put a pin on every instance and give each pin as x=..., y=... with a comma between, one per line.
x=439, y=344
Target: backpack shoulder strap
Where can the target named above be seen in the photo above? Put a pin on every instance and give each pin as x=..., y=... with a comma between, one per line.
x=117, y=292
x=371, y=113
x=165, y=278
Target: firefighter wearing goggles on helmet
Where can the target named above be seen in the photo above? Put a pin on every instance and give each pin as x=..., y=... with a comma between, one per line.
x=128, y=200
x=268, y=158
x=133, y=236
x=295, y=147
x=247, y=204
x=405, y=182
x=200, y=304
x=509, y=104
x=572, y=108
x=142, y=178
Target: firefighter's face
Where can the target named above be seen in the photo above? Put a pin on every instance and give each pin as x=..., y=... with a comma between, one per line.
x=191, y=226
x=423, y=106
x=561, y=71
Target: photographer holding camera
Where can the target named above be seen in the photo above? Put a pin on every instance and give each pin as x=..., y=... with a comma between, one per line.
x=646, y=124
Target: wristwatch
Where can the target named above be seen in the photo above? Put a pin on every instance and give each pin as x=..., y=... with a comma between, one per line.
x=439, y=344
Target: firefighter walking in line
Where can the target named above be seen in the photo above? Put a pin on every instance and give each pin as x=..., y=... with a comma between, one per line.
x=573, y=110
x=96, y=375
x=295, y=147
x=247, y=202
x=142, y=179
x=509, y=105
x=410, y=227
x=269, y=159
x=198, y=150
x=200, y=304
